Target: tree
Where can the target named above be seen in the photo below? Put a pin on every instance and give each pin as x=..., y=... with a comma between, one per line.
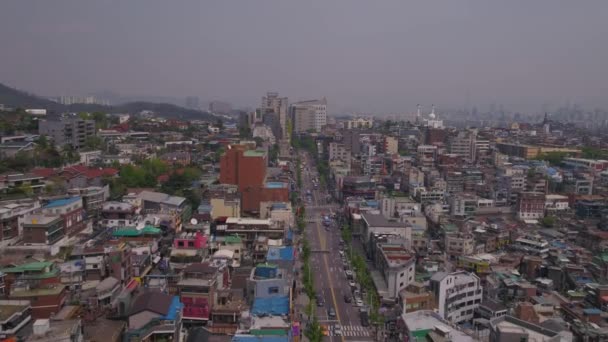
x=314, y=332
x=93, y=143
x=548, y=221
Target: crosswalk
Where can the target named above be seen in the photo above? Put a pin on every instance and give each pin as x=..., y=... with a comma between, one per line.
x=350, y=331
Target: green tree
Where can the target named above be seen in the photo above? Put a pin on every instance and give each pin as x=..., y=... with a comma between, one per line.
x=548, y=221
x=314, y=331
x=93, y=143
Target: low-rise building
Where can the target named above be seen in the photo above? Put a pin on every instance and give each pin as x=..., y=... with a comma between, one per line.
x=14, y=315
x=71, y=212
x=43, y=229
x=155, y=316
x=508, y=328
x=12, y=218
x=458, y=295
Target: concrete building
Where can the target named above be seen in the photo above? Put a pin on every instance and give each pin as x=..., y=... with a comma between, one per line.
x=378, y=224
x=458, y=295
x=426, y=155
x=391, y=145
x=531, y=206
x=508, y=329
x=397, y=266
x=73, y=131
x=459, y=244
x=272, y=103
x=12, y=218
x=71, y=212
x=14, y=315
x=119, y=214
x=43, y=229
x=198, y=289
x=309, y=115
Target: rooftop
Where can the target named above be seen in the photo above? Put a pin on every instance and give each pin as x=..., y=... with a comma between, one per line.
x=61, y=202
x=276, y=185
x=254, y=153
x=8, y=310
x=377, y=220
x=41, y=219
x=134, y=232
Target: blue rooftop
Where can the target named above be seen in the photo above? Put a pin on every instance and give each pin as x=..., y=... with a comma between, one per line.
x=280, y=253
x=271, y=306
x=592, y=311
x=61, y=202
x=279, y=206
x=251, y=338
x=174, y=309
x=276, y=185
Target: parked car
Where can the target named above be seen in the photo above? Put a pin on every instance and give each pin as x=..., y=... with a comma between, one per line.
x=358, y=302
x=352, y=284
x=347, y=299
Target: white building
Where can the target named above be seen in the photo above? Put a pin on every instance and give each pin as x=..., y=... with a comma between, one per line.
x=458, y=295
x=309, y=115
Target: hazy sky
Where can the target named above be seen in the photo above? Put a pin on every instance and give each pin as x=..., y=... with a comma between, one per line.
x=381, y=56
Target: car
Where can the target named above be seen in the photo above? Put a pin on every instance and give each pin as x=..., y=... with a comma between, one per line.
x=358, y=302
x=341, y=252
x=352, y=284
x=347, y=299
x=331, y=313
x=337, y=330
x=320, y=301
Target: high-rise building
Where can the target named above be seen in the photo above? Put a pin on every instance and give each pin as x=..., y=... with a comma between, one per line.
x=309, y=115
x=220, y=107
x=272, y=103
x=73, y=132
x=192, y=102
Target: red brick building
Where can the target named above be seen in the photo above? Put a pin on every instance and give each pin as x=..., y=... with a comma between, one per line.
x=242, y=167
x=251, y=197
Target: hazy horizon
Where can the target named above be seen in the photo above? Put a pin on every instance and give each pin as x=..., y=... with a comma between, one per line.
x=363, y=56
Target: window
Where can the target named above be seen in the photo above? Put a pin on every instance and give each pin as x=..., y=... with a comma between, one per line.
x=180, y=244
x=273, y=290
x=402, y=274
x=190, y=243
x=401, y=284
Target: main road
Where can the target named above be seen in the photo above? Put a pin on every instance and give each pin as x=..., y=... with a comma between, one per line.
x=329, y=275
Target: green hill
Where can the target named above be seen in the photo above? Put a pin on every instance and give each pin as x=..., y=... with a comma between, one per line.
x=11, y=97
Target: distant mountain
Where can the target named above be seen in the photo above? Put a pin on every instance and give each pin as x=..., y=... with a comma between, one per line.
x=11, y=97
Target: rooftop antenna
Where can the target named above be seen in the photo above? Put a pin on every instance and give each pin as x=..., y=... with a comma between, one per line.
x=433, y=109
x=418, y=112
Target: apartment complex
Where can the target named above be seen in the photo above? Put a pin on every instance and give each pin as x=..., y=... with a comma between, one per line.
x=73, y=131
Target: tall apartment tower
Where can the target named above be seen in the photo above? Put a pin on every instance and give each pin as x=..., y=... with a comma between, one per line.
x=309, y=115
x=272, y=103
x=72, y=131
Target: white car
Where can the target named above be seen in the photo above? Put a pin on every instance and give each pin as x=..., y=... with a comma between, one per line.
x=352, y=284
x=337, y=330
x=358, y=302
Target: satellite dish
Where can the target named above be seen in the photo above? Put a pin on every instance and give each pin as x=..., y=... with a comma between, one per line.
x=193, y=221
x=140, y=225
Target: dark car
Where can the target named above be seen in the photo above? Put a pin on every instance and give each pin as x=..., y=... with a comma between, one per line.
x=331, y=313
x=364, y=319
x=347, y=299
x=320, y=301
